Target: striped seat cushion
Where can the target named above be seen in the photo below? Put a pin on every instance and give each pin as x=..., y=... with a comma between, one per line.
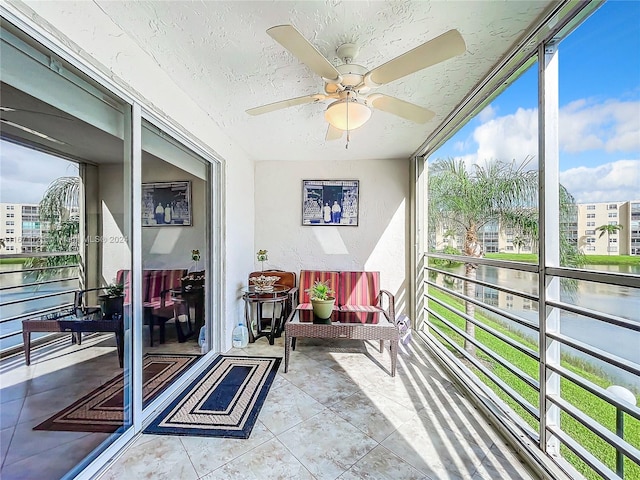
x=359, y=291
x=360, y=308
x=307, y=277
x=123, y=277
x=155, y=286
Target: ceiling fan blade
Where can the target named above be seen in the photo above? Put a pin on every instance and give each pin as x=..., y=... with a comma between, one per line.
x=403, y=109
x=291, y=39
x=31, y=131
x=11, y=110
x=333, y=133
x=437, y=50
x=271, y=107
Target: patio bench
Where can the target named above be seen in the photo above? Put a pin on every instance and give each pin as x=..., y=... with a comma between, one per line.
x=355, y=291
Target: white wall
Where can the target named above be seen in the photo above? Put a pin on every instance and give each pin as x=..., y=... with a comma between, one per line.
x=91, y=34
x=379, y=242
x=115, y=253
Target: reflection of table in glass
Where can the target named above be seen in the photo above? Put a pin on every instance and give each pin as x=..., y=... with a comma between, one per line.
x=77, y=326
x=254, y=301
x=186, y=300
x=348, y=325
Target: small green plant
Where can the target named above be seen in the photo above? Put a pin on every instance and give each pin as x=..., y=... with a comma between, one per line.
x=320, y=290
x=262, y=257
x=115, y=290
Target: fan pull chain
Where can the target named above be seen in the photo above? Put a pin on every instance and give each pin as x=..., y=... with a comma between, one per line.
x=346, y=147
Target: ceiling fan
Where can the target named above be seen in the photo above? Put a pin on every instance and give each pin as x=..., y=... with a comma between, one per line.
x=350, y=85
x=6, y=119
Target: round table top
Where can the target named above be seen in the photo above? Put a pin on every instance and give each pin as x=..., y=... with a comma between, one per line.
x=277, y=290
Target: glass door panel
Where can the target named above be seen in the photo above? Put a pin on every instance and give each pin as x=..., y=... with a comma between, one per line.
x=175, y=223
x=63, y=155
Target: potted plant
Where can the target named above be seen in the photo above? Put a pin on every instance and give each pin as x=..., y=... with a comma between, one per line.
x=112, y=302
x=322, y=299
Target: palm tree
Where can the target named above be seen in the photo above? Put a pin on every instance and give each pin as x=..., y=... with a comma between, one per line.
x=518, y=242
x=59, y=199
x=499, y=192
x=449, y=235
x=56, y=207
x=609, y=230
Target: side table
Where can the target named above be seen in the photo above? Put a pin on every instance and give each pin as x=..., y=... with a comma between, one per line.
x=257, y=298
x=185, y=300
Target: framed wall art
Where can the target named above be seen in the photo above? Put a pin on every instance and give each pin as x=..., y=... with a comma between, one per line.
x=166, y=204
x=330, y=202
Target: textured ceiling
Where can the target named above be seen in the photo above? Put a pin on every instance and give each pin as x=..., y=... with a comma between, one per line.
x=218, y=52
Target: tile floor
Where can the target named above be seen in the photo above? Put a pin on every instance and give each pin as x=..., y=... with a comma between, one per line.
x=338, y=414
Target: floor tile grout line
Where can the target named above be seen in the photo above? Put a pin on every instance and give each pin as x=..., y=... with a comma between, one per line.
x=4, y=457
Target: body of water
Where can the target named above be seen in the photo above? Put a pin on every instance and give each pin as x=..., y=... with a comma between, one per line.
x=30, y=302
x=610, y=299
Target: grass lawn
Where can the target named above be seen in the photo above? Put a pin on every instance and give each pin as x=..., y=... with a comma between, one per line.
x=590, y=259
x=515, y=257
x=12, y=261
x=597, y=409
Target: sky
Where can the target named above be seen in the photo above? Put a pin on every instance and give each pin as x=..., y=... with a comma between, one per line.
x=599, y=125
x=599, y=119
x=25, y=174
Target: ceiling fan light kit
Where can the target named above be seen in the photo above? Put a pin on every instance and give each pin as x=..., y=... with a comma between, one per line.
x=347, y=114
x=349, y=84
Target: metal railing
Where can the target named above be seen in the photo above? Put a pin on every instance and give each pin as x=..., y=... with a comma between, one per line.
x=501, y=335
x=23, y=296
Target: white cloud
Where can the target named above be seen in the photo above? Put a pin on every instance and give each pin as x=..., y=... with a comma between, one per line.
x=511, y=137
x=611, y=182
x=487, y=113
x=459, y=146
x=613, y=126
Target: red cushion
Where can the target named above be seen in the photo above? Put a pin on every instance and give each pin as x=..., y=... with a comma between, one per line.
x=123, y=278
x=307, y=277
x=359, y=288
x=360, y=308
x=173, y=279
x=154, y=282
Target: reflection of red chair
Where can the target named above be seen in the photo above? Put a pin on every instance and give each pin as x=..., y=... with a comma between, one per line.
x=156, y=290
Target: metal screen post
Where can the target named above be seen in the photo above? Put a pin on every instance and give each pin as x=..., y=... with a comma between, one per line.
x=549, y=249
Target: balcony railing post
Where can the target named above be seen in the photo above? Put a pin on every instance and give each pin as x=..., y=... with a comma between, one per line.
x=623, y=395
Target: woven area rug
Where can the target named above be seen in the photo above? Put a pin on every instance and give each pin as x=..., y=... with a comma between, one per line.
x=224, y=401
x=102, y=409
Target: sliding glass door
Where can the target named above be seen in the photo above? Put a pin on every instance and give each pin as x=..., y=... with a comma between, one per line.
x=111, y=222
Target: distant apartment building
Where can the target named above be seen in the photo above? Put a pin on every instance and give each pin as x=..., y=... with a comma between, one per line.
x=20, y=228
x=587, y=229
x=593, y=220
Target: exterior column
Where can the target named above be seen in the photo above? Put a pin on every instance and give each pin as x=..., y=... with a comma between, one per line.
x=549, y=239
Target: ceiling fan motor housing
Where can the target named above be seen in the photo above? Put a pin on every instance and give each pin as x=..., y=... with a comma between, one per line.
x=352, y=75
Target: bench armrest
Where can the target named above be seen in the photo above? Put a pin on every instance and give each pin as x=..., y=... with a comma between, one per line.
x=391, y=301
x=293, y=298
x=78, y=302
